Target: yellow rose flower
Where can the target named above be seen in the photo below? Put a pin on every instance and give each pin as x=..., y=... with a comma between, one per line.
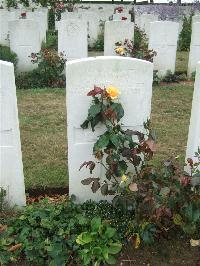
x=112, y=92
x=124, y=178
x=120, y=50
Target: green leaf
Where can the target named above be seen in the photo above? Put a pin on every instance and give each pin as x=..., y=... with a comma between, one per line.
x=110, y=232
x=164, y=191
x=104, y=189
x=115, y=248
x=102, y=141
x=196, y=180
x=177, y=219
x=94, y=110
x=94, y=121
x=52, y=263
x=105, y=252
x=115, y=139
x=117, y=107
x=85, y=124
x=97, y=263
x=86, y=259
x=95, y=185
x=122, y=167
x=111, y=260
x=95, y=224
x=97, y=251
x=84, y=238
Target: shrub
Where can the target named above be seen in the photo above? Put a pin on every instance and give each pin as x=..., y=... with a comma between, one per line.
x=156, y=78
x=57, y=234
x=11, y=3
x=98, y=244
x=137, y=48
x=185, y=35
x=127, y=48
x=174, y=78
x=99, y=44
x=48, y=74
x=140, y=38
x=119, y=218
x=160, y=197
x=7, y=55
x=51, y=19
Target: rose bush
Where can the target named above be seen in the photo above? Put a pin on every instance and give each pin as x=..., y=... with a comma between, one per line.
x=160, y=197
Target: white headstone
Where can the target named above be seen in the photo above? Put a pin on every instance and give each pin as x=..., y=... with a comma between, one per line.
x=145, y=20
x=194, y=129
x=196, y=18
x=116, y=31
x=93, y=26
x=11, y=175
x=72, y=38
x=194, y=55
x=133, y=77
x=4, y=27
x=68, y=15
x=42, y=19
x=24, y=40
x=5, y=17
x=163, y=39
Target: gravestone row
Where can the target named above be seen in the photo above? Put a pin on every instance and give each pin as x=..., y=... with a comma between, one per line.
x=134, y=79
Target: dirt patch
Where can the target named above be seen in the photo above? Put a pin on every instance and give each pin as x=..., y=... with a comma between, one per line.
x=173, y=252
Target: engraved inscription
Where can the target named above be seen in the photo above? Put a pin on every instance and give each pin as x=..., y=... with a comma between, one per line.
x=72, y=29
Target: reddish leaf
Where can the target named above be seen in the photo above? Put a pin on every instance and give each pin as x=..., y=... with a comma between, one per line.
x=96, y=185
x=190, y=161
x=151, y=144
x=15, y=247
x=89, y=164
x=185, y=180
x=133, y=187
x=95, y=91
x=87, y=181
x=3, y=228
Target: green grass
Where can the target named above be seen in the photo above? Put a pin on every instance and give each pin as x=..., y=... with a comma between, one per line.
x=42, y=115
x=182, y=61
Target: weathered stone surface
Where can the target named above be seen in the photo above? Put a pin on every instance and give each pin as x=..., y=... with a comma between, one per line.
x=11, y=175
x=163, y=39
x=72, y=38
x=194, y=129
x=194, y=55
x=24, y=40
x=116, y=31
x=133, y=77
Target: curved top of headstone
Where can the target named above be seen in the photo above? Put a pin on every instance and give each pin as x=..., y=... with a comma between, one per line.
x=132, y=76
x=6, y=69
x=113, y=58
x=164, y=23
x=6, y=63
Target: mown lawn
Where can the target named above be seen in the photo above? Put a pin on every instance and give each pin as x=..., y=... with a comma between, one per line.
x=42, y=115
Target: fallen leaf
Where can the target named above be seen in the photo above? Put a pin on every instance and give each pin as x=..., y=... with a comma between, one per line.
x=15, y=247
